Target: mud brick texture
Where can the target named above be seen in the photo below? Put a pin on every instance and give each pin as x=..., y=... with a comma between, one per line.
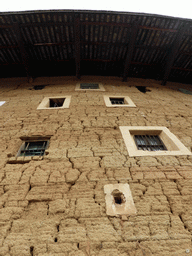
x=54, y=205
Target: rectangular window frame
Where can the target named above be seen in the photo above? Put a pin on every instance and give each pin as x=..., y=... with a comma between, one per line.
x=78, y=87
x=33, y=139
x=127, y=101
x=45, y=104
x=172, y=143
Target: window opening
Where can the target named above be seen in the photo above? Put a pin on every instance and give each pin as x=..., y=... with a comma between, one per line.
x=89, y=86
x=56, y=103
x=31, y=250
x=117, y=101
x=143, y=89
x=34, y=148
x=38, y=87
x=118, y=196
x=149, y=142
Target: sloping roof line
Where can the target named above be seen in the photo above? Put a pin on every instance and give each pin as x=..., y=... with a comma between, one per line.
x=95, y=43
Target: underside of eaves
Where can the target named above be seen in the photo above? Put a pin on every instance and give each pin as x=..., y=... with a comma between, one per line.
x=78, y=43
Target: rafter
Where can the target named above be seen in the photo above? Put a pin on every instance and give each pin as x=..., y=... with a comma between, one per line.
x=24, y=55
x=77, y=45
x=131, y=45
x=173, y=52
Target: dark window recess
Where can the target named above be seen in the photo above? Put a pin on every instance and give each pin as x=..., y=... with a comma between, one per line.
x=31, y=250
x=143, y=89
x=34, y=148
x=117, y=101
x=56, y=103
x=149, y=142
x=118, y=196
x=38, y=87
x=89, y=86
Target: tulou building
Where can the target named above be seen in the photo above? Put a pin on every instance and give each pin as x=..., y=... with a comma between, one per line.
x=96, y=134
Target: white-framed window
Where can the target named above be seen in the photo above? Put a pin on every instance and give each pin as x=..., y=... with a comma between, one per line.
x=55, y=102
x=2, y=102
x=152, y=141
x=89, y=87
x=118, y=101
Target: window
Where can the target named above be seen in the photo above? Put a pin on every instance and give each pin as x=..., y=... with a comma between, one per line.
x=33, y=147
x=143, y=89
x=55, y=102
x=38, y=87
x=1, y=103
x=152, y=141
x=149, y=142
x=89, y=86
x=118, y=101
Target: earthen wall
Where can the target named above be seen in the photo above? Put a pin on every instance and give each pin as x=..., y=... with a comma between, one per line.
x=55, y=205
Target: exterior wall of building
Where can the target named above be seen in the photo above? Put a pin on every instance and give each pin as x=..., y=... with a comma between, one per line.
x=55, y=205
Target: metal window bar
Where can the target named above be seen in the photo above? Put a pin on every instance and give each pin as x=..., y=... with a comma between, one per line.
x=89, y=86
x=149, y=142
x=35, y=148
x=117, y=101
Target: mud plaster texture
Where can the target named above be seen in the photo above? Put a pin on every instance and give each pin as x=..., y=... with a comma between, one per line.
x=55, y=205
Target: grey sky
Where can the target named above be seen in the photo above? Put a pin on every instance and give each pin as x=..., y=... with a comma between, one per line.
x=164, y=7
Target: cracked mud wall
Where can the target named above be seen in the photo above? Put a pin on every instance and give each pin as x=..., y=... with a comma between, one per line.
x=55, y=205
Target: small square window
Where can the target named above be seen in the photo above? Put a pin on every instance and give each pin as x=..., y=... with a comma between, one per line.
x=118, y=101
x=55, y=102
x=152, y=141
x=89, y=87
x=33, y=148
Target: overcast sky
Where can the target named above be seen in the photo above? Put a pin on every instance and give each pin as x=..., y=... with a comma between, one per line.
x=181, y=8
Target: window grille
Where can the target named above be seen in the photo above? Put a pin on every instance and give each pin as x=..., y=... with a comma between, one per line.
x=34, y=148
x=89, y=86
x=117, y=101
x=149, y=142
x=56, y=103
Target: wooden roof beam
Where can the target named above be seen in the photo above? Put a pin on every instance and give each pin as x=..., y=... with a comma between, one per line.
x=77, y=45
x=131, y=46
x=24, y=55
x=173, y=52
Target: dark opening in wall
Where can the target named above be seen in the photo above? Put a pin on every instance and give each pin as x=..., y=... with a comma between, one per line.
x=55, y=103
x=38, y=87
x=55, y=240
x=89, y=86
x=143, y=89
x=118, y=196
x=117, y=101
x=31, y=250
